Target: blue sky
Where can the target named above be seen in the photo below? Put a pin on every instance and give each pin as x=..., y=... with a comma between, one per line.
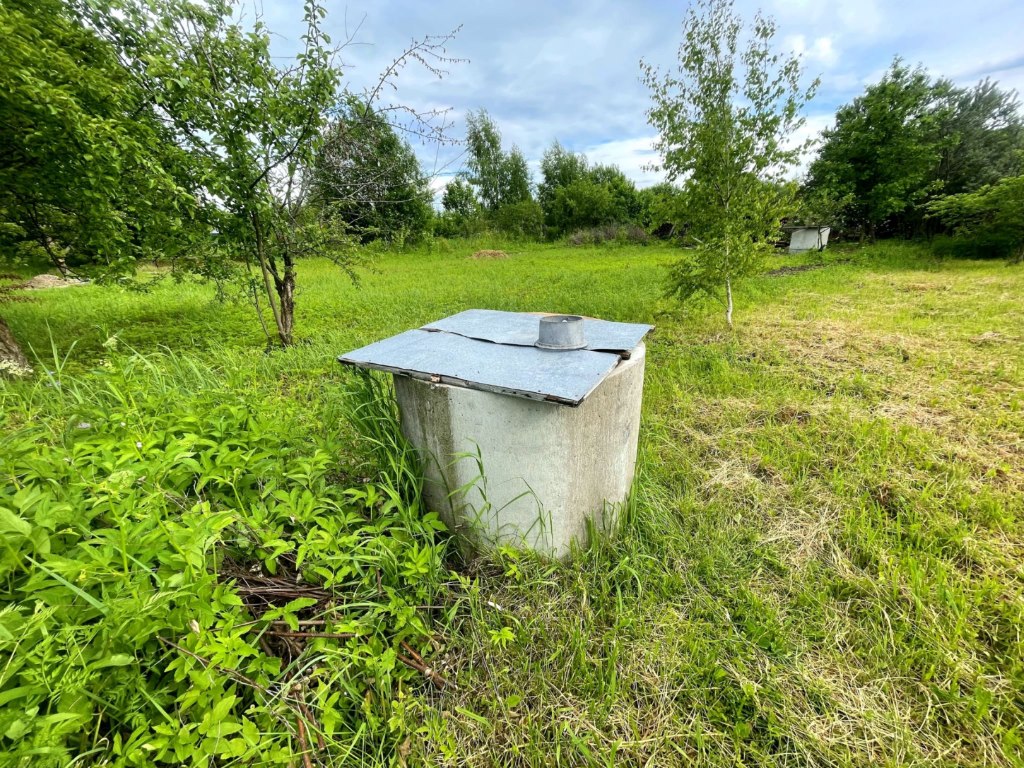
x=570, y=70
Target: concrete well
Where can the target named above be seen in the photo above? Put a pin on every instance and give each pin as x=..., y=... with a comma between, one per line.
x=510, y=470
x=526, y=425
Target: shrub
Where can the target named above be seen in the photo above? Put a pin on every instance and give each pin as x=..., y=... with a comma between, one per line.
x=453, y=224
x=986, y=223
x=629, y=234
x=523, y=220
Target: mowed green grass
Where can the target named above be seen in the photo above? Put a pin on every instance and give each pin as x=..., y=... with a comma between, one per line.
x=823, y=563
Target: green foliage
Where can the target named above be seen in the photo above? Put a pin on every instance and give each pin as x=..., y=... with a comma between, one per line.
x=882, y=151
x=581, y=203
x=459, y=198
x=523, y=220
x=819, y=205
x=485, y=158
x=988, y=222
x=723, y=122
x=461, y=216
x=661, y=205
x=163, y=527
x=515, y=179
x=368, y=179
x=89, y=174
x=625, y=198
x=559, y=168
x=576, y=196
x=985, y=129
x=603, y=196
x=500, y=178
x=170, y=131
x=907, y=139
x=250, y=125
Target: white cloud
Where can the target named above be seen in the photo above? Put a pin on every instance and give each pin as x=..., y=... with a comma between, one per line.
x=862, y=20
x=570, y=70
x=821, y=50
x=809, y=131
x=632, y=156
x=438, y=185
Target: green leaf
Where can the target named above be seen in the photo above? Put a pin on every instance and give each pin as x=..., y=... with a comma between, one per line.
x=117, y=660
x=473, y=716
x=12, y=523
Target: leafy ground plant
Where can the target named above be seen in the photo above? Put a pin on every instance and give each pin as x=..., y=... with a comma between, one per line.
x=185, y=579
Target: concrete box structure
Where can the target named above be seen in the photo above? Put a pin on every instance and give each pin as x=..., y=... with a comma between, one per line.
x=519, y=445
x=808, y=239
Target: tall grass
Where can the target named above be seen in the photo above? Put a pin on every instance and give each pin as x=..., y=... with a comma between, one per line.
x=822, y=563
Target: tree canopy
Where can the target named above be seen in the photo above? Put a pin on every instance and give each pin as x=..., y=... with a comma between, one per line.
x=170, y=129
x=499, y=177
x=575, y=195
x=984, y=132
x=909, y=139
x=368, y=178
x=883, y=149
x=90, y=174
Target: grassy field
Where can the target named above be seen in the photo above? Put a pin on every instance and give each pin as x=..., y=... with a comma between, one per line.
x=823, y=563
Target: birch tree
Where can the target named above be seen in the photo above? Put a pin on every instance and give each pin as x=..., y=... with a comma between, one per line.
x=724, y=115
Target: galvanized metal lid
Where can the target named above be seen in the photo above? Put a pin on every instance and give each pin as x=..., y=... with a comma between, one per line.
x=499, y=352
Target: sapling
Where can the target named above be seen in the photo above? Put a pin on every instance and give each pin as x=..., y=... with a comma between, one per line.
x=725, y=117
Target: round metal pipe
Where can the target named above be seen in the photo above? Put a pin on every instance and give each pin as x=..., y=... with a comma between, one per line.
x=561, y=332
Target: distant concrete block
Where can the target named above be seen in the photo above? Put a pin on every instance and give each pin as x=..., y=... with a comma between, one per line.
x=808, y=239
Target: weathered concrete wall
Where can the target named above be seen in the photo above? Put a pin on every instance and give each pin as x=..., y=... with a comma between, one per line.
x=808, y=239
x=503, y=469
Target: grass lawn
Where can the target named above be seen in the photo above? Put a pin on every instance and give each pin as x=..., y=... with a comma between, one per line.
x=823, y=564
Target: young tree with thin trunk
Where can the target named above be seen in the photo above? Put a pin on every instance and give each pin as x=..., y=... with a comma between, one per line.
x=252, y=125
x=724, y=118
x=500, y=178
x=486, y=160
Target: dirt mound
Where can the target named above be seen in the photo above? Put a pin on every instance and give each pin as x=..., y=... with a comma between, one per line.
x=51, y=281
x=489, y=255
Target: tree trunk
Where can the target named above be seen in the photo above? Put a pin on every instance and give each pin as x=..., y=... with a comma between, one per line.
x=12, y=359
x=276, y=285
x=286, y=295
x=728, y=280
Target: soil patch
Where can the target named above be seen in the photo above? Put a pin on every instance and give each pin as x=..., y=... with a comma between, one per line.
x=990, y=337
x=783, y=271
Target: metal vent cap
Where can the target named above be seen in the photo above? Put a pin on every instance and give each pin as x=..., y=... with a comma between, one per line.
x=561, y=332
